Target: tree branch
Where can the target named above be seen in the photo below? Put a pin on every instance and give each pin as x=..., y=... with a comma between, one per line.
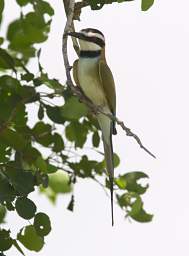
x=72, y=28
x=95, y=109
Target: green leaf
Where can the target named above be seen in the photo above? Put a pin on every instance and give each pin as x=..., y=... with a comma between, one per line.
x=59, y=182
x=41, y=112
x=13, y=139
x=146, y=4
x=27, y=77
x=10, y=99
x=7, y=192
x=10, y=84
x=37, y=82
x=26, y=52
x=1, y=40
x=4, y=153
x=5, y=240
x=1, y=9
x=25, y=208
x=85, y=167
x=51, y=83
x=16, y=35
x=9, y=206
x=17, y=114
x=137, y=212
x=2, y=213
x=136, y=207
x=20, y=119
x=40, y=128
x=42, y=133
x=41, y=178
x=124, y=200
x=42, y=224
x=30, y=239
x=51, y=168
x=6, y=61
x=44, y=7
x=58, y=143
x=29, y=94
x=22, y=181
x=100, y=167
x=142, y=216
x=121, y=182
x=73, y=109
x=25, y=32
x=54, y=113
x=1, y=6
x=96, y=139
x=30, y=154
x=131, y=181
x=41, y=164
x=96, y=4
x=23, y=2
x=34, y=20
x=76, y=132
x=116, y=160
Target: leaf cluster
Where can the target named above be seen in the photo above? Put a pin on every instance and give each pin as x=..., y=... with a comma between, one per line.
x=51, y=155
x=99, y=4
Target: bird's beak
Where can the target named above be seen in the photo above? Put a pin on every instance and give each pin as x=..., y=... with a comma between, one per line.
x=75, y=34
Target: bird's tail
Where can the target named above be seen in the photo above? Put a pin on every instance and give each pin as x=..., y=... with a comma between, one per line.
x=108, y=152
x=106, y=127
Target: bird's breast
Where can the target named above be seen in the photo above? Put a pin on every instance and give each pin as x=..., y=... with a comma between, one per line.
x=89, y=79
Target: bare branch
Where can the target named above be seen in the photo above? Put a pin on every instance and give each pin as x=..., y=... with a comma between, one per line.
x=72, y=28
x=95, y=109
x=130, y=133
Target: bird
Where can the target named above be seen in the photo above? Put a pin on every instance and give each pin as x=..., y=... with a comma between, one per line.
x=94, y=77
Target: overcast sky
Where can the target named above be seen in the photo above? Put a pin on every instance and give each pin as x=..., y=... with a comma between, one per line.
x=148, y=53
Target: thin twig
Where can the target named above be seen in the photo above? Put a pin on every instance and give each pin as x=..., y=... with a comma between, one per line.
x=95, y=109
x=102, y=186
x=72, y=28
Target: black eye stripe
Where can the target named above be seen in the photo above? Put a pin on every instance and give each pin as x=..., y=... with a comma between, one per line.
x=94, y=39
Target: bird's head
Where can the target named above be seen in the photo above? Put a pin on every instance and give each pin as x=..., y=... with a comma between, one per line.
x=90, y=39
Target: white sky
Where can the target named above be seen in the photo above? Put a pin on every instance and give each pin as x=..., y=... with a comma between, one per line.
x=149, y=56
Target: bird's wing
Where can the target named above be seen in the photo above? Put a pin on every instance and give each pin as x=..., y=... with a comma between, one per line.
x=108, y=84
x=107, y=126
x=107, y=81
x=75, y=74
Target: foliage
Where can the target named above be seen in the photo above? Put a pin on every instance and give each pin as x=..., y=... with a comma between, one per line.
x=98, y=4
x=23, y=166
